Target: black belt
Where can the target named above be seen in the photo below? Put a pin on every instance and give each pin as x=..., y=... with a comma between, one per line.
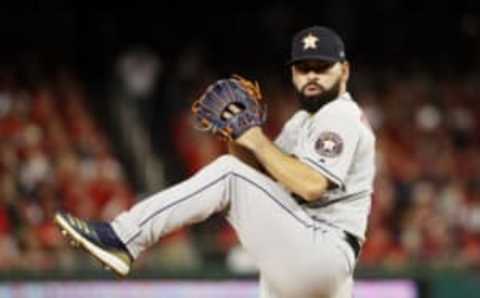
x=353, y=242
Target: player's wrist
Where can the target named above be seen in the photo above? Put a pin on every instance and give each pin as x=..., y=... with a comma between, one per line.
x=253, y=139
x=260, y=142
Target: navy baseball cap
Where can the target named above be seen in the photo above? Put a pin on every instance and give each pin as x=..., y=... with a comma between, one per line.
x=317, y=43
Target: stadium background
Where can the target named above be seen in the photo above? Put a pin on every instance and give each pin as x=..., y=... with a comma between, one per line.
x=94, y=114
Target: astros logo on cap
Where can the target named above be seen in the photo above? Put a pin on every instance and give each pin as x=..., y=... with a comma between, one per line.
x=310, y=42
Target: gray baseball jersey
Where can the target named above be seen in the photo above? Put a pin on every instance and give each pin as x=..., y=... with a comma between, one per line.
x=338, y=142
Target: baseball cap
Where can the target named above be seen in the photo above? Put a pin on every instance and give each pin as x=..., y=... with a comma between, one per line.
x=317, y=43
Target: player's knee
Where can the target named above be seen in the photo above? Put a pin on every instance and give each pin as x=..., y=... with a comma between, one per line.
x=231, y=164
x=228, y=160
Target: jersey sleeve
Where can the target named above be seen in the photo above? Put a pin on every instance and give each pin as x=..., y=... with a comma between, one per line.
x=330, y=146
x=285, y=142
x=281, y=139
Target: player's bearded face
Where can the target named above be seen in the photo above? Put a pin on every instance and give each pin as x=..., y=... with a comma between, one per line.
x=317, y=83
x=313, y=102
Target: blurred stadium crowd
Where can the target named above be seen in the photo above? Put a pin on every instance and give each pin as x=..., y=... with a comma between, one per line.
x=52, y=155
x=56, y=151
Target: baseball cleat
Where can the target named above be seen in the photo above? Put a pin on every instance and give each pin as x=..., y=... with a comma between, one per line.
x=97, y=239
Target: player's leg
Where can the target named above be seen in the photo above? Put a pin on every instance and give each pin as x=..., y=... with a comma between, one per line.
x=265, y=291
x=345, y=290
x=276, y=231
x=137, y=229
x=288, y=247
x=140, y=227
x=297, y=257
x=189, y=202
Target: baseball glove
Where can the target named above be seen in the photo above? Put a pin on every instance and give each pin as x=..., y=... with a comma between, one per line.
x=229, y=107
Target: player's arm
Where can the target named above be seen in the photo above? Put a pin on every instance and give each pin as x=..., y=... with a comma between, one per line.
x=298, y=177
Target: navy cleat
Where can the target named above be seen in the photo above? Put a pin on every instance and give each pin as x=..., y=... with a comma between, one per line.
x=97, y=239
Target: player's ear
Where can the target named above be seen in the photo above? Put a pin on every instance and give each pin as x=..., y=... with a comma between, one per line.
x=345, y=71
x=292, y=73
x=292, y=70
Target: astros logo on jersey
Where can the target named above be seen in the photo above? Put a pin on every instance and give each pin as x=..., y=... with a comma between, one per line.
x=329, y=144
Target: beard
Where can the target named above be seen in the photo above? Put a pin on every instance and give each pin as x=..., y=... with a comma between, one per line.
x=313, y=103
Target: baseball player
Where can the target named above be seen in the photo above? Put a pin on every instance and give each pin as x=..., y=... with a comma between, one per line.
x=304, y=220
